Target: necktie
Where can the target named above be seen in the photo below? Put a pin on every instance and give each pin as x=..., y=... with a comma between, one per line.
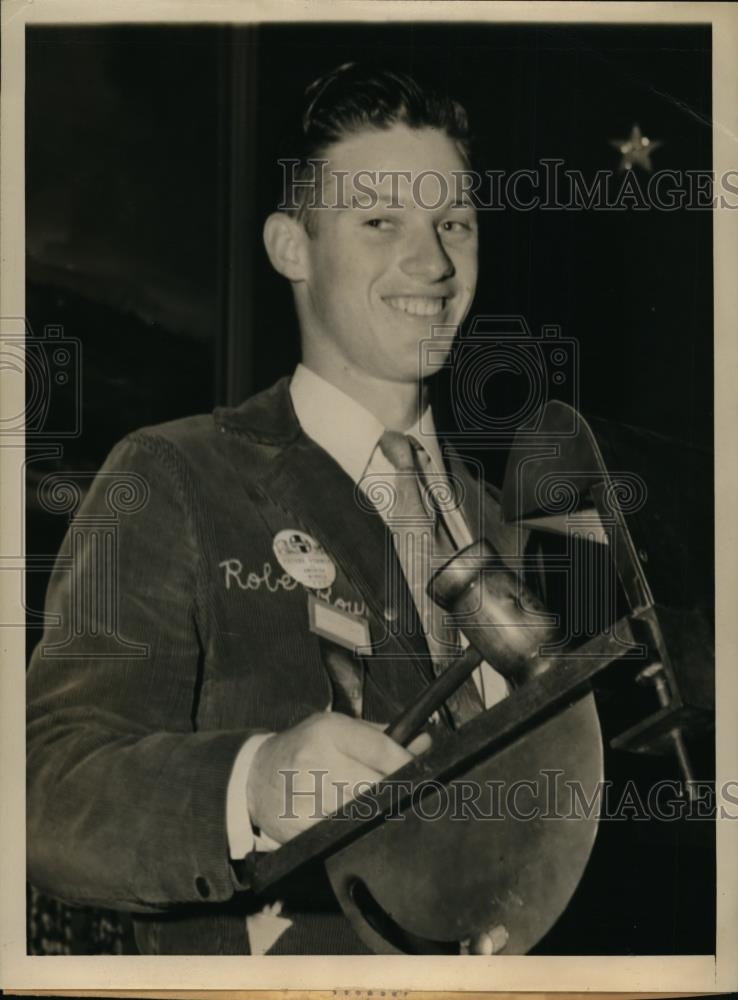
x=423, y=543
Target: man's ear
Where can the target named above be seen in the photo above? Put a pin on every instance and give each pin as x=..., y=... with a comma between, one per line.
x=285, y=241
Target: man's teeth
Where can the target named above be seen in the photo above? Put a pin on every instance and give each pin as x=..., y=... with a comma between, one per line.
x=417, y=305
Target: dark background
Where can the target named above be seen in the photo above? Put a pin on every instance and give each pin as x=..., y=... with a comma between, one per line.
x=150, y=168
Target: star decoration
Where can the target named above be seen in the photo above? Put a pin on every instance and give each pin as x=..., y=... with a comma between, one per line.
x=636, y=150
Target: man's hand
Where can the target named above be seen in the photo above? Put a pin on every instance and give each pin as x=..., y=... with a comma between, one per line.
x=305, y=773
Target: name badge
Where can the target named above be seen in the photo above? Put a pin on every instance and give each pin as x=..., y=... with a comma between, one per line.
x=339, y=626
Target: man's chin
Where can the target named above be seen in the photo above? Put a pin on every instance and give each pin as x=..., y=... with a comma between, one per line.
x=435, y=351
x=429, y=371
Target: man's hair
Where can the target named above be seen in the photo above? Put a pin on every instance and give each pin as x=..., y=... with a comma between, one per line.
x=355, y=97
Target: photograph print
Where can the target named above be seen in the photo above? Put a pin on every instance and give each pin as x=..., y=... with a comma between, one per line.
x=369, y=488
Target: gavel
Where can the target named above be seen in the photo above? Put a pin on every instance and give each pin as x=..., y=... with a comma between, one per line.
x=393, y=880
x=504, y=622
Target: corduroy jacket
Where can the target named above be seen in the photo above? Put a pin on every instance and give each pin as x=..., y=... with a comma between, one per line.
x=178, y=635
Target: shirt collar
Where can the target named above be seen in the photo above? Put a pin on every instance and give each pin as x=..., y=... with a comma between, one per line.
x=345, y=428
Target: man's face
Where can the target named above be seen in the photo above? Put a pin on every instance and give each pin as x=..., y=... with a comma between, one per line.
x=379, y=279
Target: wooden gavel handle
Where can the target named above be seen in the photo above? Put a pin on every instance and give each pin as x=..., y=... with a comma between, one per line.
x=414, y=718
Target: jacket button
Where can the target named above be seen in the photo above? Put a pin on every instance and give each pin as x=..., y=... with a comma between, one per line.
x=203, y=886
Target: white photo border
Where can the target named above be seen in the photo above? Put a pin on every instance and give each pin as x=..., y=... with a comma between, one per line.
x=681, y=974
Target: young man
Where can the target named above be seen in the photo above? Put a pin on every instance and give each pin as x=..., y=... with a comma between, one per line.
x=163, y=720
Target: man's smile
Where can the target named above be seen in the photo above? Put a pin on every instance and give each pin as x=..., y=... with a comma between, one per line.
x=417, y=305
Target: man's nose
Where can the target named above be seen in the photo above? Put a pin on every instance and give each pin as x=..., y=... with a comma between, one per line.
x=426, y=258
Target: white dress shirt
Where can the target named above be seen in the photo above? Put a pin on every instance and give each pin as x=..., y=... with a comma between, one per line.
x=350, y=434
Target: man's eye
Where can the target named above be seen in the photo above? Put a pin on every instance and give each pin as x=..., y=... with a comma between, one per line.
x=454, y=226
x=381, y=224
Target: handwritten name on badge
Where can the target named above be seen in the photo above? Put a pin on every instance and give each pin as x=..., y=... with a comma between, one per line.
x=304, y=561
x=234, y=575
x=352, y=607
x=255, y=581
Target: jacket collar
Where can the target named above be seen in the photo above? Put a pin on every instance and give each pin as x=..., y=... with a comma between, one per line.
x=267, y=418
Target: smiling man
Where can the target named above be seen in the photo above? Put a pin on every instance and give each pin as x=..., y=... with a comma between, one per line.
x=389, y=270
x=159, y=738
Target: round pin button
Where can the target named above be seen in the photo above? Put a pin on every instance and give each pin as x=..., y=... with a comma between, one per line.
x=304, y=559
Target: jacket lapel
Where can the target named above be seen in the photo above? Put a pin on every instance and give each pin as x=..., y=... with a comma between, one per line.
x=302, y=480
x=306, y=481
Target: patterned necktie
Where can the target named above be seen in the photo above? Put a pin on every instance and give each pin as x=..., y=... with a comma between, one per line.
x=423, y=542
